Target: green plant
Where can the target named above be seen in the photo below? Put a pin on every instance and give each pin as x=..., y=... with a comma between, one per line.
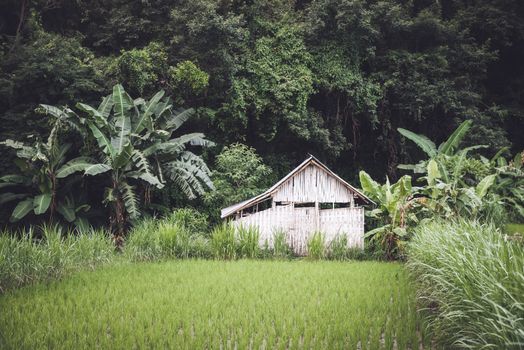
x=248, y=242
x=39, y=186
x=26, y=260
x=136, y=148
x=281, y=249
x=323, y=305
x=191, y=219
x=316, y=246
x=394, y=211
x=470, y=282
x=223, y=241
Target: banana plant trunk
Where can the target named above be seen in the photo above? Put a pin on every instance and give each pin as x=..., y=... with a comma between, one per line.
x=118, y=217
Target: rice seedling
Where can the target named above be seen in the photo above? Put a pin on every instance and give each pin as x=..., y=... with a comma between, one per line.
x=471, y=283
x=211, y=304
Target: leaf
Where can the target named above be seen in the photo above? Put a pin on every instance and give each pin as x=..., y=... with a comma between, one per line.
x=102, y=140
x=180, y=118
x=130, y=201
x=483, y=186
x=453, y=141
x=22, y=209
x=41, y=203
x=433, y=172
x=98, y=118
x=96, y=169
x=145, y=118
x=67, y=211
x=420, y=140
x=73, y=166
x=370, y=186
x=105, y=106
x=122, y=104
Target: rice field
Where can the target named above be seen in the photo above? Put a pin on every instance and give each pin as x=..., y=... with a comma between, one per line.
x=195, y=304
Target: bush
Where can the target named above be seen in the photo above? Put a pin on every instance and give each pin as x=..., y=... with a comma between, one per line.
x=471, y=284
x=316, y=247
x=192, y=220
x=223, y=243
x=25, y=260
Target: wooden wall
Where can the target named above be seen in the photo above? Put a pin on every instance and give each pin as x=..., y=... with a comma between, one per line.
x=313, y=184
x=300, y=223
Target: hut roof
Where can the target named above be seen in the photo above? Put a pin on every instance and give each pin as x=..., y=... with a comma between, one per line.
x=268, y=193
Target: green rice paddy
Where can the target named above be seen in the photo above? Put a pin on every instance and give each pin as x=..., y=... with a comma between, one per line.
x=193, y=304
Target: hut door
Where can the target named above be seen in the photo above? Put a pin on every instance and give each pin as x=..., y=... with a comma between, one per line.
x=304, y=225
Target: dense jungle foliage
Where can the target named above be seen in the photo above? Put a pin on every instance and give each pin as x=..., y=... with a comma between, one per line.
x=335, y=78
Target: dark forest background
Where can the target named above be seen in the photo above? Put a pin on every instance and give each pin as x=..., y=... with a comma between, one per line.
x=334, y=78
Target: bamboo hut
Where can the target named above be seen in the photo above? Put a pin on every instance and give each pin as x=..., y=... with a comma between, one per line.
x=309, y=199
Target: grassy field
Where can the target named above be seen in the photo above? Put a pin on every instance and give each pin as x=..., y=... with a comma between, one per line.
x=217, y=304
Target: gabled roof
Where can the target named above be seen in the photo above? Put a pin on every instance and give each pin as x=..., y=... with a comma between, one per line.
x=267, y=194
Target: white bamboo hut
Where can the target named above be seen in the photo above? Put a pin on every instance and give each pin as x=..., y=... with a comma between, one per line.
x=311, y=198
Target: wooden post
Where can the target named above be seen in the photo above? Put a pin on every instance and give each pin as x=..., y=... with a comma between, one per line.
x=317, y=216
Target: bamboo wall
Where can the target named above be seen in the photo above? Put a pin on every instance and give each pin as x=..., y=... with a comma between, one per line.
x=300, y=223
x=313, y=184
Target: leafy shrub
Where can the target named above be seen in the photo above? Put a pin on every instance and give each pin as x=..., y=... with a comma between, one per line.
x=223, y=243
x=25, y=260
x=192, y=220
x=471, y=283
x=248, y=242
x=281, y=249
x=316, y=247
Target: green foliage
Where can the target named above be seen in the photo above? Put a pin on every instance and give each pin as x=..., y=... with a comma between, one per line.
x=316, y=246
x=167, y=238
x=41, y=185
x=281, y=250
x=239, y=174
x=470, y=281
x=27, y=260
x=216, y=303
x=187, y=79
x=248, y=242
x=223, y=242
x=394, y=212
x=191, y=219
x=135, y=146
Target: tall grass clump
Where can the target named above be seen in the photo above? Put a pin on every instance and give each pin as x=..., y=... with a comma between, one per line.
x=156, y=239
x=470, y=280
x=248, y=242
x=223, y=242
x=316, y=246
x=281, y=250
x=24, y=259
x=338, y=248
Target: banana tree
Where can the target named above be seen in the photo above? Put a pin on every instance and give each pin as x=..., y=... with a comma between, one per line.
x=131, y=135
x=446, y=149
x=36, y=187
x=394, y=212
